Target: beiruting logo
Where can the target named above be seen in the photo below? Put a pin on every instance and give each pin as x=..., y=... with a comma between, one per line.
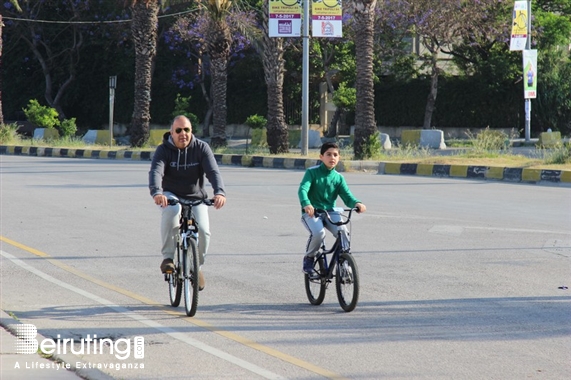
x=120, y=348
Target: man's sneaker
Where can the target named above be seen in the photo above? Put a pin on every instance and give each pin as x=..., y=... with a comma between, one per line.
x=167, y=266
x=308, y=265
x=201, y=280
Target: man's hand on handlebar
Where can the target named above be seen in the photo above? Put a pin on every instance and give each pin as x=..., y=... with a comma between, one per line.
x=219, y=201
x=160, y=200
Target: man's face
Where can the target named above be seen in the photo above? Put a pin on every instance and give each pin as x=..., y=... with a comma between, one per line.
x=330, y=158
x=181, y=132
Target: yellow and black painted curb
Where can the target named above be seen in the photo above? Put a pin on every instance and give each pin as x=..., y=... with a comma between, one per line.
x=525, y=175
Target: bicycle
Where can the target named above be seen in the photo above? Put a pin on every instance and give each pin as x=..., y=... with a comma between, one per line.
x=186, y=260
x=342, y=266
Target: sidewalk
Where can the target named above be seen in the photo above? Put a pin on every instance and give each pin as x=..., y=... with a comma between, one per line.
x=15, y=366
x=466, y=171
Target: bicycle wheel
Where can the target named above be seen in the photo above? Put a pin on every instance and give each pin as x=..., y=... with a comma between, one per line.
x=191, y=266
x=316, y=284
x=175, y=284
x=347, y=282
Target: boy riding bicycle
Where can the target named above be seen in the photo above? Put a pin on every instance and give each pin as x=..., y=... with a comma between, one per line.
x=319, y=189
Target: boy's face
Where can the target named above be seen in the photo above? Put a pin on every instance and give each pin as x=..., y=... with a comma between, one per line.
x=330, y=158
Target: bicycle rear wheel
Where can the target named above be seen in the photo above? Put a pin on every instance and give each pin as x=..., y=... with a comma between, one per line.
x=174, y=280
x=316, y=283
x=191, y=267
x=347, y=282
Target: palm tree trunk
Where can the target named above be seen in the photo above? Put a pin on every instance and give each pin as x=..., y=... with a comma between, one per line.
x=278, y=134
x=365, y=124
x=1, y=83
x=219, y=85
x=144, y=31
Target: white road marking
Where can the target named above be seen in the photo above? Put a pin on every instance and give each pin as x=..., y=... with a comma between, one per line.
x=167, y=330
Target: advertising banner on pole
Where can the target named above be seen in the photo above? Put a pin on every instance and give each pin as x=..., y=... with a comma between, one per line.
x=530, y=74
x=519, y=26
x=285, y=18
x=326, y=18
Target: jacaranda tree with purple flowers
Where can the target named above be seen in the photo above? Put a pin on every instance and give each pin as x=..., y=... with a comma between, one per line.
x=191, y=35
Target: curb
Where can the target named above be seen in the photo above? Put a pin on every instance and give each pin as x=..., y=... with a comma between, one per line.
x=514, y=175
x=9, y=324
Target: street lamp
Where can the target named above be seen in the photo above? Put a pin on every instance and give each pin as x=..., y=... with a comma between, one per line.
x=112, y=86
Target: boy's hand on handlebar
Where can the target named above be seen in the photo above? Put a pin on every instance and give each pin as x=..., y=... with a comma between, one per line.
x=309, y=210
x=360, y=208
x=160, y=200
x=219, y=201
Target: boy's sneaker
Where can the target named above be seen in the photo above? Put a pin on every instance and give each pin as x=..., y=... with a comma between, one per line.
x=167, y=266
x=308, y=265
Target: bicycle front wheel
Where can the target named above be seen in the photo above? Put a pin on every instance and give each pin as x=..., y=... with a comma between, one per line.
x=174, y=280
x=316, y=283
x=191, y=267
x=347, y=282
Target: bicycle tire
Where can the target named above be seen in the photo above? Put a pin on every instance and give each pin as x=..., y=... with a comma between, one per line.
x=175, y=283
x=315, y=286
x=191, y=267
x=347, y=282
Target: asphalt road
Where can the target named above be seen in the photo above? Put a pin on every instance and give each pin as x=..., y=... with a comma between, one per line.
x=460, y=279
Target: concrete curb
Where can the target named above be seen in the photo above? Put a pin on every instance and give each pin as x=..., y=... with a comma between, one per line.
x=514, y=175
x=9, y=324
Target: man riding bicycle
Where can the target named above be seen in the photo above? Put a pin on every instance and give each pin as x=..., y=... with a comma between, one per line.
x=178, y=169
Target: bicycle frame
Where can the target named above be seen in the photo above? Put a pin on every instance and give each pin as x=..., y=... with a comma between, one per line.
x=187, y=261
x=341, y=244
x=342, y=266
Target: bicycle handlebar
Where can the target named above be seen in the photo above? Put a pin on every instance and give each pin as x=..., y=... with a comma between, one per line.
x=341, y=223
x=190, y=202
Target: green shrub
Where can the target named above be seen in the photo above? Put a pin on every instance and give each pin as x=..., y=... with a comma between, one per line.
x=8, y=133
x=372, y=146
x=181, y=105
x=68, y=127
x=42, y=116
x=560, y=155
x=256, y=121
x=490, y=140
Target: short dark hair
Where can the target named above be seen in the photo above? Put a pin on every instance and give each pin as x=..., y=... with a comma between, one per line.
x=328, y=145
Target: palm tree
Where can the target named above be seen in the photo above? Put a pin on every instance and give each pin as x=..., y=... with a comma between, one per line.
x=218, y=41
x=365, y=124
x=144, y=33
x=17, y=6
x=273, y=61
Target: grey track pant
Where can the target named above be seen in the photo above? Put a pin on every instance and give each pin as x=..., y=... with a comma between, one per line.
x=316, y=227
x=170, y=219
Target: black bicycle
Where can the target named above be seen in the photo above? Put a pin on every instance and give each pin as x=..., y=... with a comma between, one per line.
x=341, y=265
x=186, y=260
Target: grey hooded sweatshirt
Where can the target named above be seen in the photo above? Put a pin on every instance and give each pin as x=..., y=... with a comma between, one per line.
x=182, y=171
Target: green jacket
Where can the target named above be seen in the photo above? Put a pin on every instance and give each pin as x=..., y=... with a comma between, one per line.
x=321, y=186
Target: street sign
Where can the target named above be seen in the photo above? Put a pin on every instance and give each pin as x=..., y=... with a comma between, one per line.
x=520, y=21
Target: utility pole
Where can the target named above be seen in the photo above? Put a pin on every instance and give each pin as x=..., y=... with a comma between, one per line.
x=112, y=86
x=305, y=82
x=527, y=100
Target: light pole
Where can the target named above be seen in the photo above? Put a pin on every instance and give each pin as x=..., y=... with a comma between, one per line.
x=305, y=82
x=528, y=100
x=112, y=86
